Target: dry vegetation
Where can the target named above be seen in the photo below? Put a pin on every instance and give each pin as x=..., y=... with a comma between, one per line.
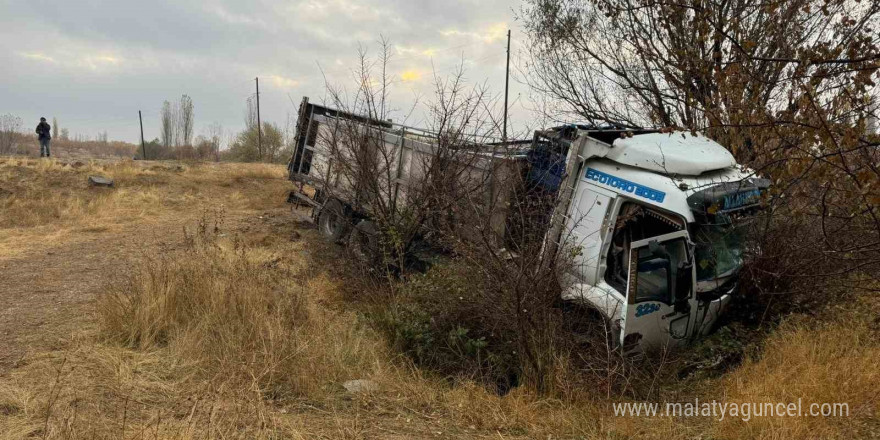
x=27, y=144
x=45, y=202
x=240, y=328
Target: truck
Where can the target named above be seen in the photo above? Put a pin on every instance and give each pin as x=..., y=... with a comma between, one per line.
x=653, y=218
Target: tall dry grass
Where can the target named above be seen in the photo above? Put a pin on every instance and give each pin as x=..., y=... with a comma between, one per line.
x=214, y=336
x=826, y=361
x=245, y=323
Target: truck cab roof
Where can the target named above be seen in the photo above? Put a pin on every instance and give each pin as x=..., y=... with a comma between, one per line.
x=671, y=153
x=677, y=153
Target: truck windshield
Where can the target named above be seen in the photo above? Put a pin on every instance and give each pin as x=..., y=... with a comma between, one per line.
x=719, y=249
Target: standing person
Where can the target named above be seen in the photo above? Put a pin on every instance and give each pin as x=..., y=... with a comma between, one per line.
x=43, y=131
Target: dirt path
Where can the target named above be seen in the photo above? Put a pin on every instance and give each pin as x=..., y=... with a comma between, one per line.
x=46, y=293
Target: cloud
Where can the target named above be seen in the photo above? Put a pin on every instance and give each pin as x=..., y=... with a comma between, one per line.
x=37, y=57
x=234, y=18
x=410, y=75
x=489, y=34
x=93, y=64
x=283, y=82
x=99, y=62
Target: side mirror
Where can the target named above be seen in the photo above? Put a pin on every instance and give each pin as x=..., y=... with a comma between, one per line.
x=683, y=283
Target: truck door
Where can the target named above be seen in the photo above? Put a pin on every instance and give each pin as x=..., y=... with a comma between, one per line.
x=661, y=305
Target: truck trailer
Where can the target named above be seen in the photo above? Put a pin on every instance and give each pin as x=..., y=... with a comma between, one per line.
x=654, y=218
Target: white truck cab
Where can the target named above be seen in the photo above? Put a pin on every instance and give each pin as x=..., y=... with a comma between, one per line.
x=653, y=222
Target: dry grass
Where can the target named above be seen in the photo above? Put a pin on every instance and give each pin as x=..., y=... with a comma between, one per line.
x=833, y=361
x=242, y=333
x=240, y=314
x=825, y=362
x=27, y=144
x=46, y=202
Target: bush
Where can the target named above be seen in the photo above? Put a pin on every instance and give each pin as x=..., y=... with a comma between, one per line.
x=439, y=320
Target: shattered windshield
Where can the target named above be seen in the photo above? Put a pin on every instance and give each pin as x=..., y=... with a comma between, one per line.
x=719, y=250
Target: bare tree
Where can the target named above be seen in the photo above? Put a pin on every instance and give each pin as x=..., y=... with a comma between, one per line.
x=369, y=165
x=10, y=128
x=699, y=64
x=185, y=120
x=54, y=128
x=167, y=128
x=789, y=87
x=215, y=135
x=250, y=114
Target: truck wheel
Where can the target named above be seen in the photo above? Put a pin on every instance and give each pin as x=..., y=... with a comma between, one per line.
x=333, y=222
x=364, y=242
x=586, y=325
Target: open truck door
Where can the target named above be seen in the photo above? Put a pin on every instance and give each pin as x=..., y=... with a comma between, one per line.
x=660, y=301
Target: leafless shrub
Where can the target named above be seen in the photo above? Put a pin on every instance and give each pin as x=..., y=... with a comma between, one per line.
x=442, y=167
x=10, y=127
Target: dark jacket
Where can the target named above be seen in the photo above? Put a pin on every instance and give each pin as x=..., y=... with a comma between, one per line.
x=43, y=129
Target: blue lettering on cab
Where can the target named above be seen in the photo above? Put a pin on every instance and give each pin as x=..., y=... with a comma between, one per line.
x=626, y=186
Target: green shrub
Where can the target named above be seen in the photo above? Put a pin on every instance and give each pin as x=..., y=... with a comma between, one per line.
x=439, y=320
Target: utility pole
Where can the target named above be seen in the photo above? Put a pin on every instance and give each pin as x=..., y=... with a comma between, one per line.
x=259, y=124
x=143, y=146
x=506, y=88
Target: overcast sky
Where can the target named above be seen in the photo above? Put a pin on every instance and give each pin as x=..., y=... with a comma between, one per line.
x=94, y=64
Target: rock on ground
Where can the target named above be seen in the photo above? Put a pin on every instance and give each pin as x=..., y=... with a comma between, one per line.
x=100, y=181
x=360, y=386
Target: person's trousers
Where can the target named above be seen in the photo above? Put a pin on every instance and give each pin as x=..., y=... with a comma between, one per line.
x=44, y=147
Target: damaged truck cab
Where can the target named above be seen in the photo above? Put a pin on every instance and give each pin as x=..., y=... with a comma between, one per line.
x=651, y=219
x=654, y=220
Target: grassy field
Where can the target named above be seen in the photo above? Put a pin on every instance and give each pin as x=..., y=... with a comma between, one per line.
x=190, y=302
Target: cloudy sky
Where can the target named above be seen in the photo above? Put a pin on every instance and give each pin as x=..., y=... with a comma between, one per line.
x=94, y=63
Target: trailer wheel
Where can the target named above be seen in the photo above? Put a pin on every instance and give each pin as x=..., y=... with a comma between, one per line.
x=333, y=222
x=364, y=242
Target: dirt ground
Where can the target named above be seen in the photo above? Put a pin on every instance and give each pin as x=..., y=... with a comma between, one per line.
x=50, y=273
x=48, y=292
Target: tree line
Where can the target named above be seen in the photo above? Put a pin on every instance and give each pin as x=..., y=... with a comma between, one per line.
x=177, y=141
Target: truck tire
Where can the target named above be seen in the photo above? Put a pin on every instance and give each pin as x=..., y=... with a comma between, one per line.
x=586, y=325
x=364, y=243
x=333, y=222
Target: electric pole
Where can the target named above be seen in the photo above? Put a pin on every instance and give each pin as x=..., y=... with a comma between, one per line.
x=143, y=146
x=506, y=85
x=259, y=124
